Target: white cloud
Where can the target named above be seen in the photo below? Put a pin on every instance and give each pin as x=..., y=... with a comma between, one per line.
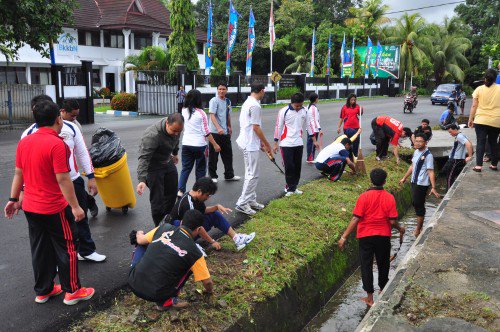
x=434, y=15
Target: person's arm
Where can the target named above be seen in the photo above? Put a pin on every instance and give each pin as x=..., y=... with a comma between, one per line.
x=145, y=239
x=201, y=273
x=205, y=236
x=208, y=284
x=15, y=192
x=68, y=191
x=149, y=144
x=408, y=173
x=395, y=151
x=260, y=134
x=280, y=122
x=432, y=178
x=83, y=159
x=218, y=207
x=352, y=225
x=213, y=142
x=473, y=109
x=468, y=146
x=351, y=165
x=355, y=136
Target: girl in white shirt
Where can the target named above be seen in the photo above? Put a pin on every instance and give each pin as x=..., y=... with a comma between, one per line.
x=194, y=141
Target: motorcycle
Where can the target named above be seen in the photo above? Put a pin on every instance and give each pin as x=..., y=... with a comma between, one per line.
x=409, y=104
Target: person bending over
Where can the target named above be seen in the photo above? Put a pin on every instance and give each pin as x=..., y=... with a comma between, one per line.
x=331, y=161
x=165, y=258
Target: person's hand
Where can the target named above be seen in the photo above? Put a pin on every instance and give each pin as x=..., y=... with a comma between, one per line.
x=92, y=187
x=78, y=213
x=470, y=124
x=435, y=193
x=402, y=181
x=12, y=208
x=275, y=148
x=338, y=130
x=229, y=131
x=360, y=130
x=342, y=242
x=220, y=131
x=467, y=159
x=175, y=159
x=216, y=245
x=223, y=210
x=217, y=148
x=140, y=188
x=321, y=133
x=267, y=147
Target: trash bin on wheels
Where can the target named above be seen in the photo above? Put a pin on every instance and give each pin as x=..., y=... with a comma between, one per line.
x=115, y=185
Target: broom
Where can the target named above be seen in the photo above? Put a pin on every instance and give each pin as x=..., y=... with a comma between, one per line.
x=360, y=162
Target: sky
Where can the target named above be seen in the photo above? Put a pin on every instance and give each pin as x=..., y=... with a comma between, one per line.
x=434, y=15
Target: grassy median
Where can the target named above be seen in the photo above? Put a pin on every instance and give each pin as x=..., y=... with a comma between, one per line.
x=291, y=231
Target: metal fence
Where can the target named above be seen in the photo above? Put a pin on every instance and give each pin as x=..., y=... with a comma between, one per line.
x=15, y=102
x=156, y=93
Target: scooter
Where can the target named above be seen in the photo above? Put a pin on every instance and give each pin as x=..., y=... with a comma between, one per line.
x=408, y=104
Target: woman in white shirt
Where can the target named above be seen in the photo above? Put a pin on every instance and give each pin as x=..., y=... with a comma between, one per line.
x=194, y=141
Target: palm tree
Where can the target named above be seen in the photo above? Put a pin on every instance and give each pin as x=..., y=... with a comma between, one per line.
x=369, y=17
x=150, y=58
x=409, y=34
x=302, y=59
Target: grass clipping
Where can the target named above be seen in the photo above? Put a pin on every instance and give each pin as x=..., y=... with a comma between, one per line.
x=263, y=269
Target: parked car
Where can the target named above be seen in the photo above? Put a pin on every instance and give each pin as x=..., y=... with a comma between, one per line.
x=442, y=93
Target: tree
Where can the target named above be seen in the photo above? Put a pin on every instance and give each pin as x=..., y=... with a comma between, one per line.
x=409, y=34
x=302, y=59
x=182, y=40
x=150, y=58
x=32, y=22
x=369, y=17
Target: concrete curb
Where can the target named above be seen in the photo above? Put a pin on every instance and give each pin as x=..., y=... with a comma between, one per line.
x=393, y=293
x=118, y=113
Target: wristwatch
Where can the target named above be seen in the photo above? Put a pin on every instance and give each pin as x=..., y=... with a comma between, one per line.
x=12, y=199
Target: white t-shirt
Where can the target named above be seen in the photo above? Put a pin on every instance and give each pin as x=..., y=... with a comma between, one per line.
x=313, y=125
x=73, y=138
x=289, y=124
x=250, y=115
x=334, y=150
x=195, y=128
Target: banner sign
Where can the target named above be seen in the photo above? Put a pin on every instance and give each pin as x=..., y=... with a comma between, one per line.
x=389, y=60
x=251, y=43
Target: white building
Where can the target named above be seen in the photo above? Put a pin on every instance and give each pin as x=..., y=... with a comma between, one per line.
x=104, y=32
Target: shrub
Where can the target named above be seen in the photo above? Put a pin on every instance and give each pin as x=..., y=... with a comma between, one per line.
x=124, y=102
x=104, y=92
x=286, y=93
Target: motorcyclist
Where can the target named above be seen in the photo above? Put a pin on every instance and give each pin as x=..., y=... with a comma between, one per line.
x=462, y=99
x=414, y=95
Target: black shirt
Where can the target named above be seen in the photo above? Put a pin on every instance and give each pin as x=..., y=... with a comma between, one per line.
x=186, y=203
x=167, y=260
x=427, y=132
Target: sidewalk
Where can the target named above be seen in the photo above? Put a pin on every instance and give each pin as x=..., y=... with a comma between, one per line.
x=450, y=278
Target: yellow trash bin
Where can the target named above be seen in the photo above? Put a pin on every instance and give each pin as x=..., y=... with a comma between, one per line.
x=115, y=185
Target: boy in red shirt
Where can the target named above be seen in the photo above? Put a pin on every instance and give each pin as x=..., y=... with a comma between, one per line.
x=373, y=216
x=42, y=166
x=388, y=130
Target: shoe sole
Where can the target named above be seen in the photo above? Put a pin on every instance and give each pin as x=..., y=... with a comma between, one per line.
x=246, y=243
x=75, y=301
x=47, y=298
x=257, y=208
x=244, y=212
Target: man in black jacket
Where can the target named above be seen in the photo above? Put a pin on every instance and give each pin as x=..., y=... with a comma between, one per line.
x=157, y=160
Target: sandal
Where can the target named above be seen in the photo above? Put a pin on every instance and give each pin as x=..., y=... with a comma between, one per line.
x=477, y=169
x=494, y=168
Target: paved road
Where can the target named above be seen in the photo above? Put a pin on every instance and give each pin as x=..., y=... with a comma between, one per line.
x=110, y=230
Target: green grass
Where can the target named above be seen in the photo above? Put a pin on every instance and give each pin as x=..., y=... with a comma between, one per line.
x=102, y=108
x=266, y=266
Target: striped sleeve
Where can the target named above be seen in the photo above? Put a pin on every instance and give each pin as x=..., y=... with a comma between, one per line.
x=279, y=124
x=204, y=123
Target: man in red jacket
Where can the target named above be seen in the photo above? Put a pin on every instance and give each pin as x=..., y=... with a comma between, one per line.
x=388, y=130
x=374, y=215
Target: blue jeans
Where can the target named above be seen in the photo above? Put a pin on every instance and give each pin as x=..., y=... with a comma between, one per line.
x=214, y=219
x=190, y=156
x=349, y=132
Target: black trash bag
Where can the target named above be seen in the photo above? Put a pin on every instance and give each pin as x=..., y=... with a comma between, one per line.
x=106, y=148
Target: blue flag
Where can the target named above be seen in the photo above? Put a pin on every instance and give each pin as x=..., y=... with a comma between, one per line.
x=352, y=57
x=251, y=43
x=231, y=35
x=208, y=50
x=328, y=55
x=377, y=60
x=368, y=59
x=312, y=52
x=342, y=57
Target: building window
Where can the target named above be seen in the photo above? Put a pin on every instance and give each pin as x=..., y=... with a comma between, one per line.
x=141, y=41
x=40, y=76
x=12, y=75
x=114, y=39
x=96, y=79
x=199, y=48
x=89, y=38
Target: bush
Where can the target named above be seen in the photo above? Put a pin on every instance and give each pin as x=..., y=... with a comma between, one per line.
x=104, y=92
x=286, y=93
x=124, y=102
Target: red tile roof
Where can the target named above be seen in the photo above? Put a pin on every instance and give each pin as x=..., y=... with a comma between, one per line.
x=116, y=15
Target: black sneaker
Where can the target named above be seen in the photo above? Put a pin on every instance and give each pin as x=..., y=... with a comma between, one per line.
x=94, y=210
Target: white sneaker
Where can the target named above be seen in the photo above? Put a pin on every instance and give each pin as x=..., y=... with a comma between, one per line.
x=298, y=192
x=246, y=209
x=214, y=180
x=94, y=257
x=289, y=193
x=180, y=193
x=241, y=240
x=256, y=206
x=377, y=158
x=234, y=178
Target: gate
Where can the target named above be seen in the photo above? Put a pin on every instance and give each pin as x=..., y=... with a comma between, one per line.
x=156, y=93
x=15, y=102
